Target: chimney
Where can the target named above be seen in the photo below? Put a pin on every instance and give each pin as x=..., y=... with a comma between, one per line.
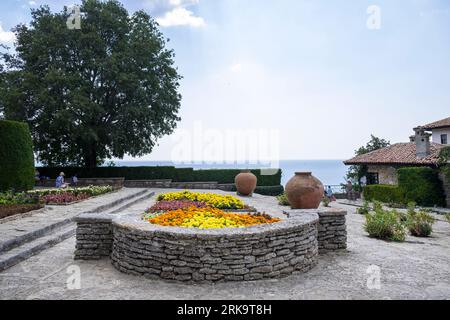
x=422, y=140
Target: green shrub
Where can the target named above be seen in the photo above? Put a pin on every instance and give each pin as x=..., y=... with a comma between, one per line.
x=222, y=176
x=269, y=190
x=326, y=202
x=283, y=200
x=420, y=224
x=16, y=156
x=447, y=216
x=385, y=224
x=421, y=185
x=10, y=198
x=384, y=193
x=365, y=209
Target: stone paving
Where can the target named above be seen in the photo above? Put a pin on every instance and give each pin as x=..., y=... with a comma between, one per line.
x=415, y=269
x=53, y=214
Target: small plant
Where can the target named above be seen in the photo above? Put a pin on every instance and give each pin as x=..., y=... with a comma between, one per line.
x=447, y=216
x=365, y=209
x=283, y=200
x=420, y=224
x=326, y=202
x=384, y=224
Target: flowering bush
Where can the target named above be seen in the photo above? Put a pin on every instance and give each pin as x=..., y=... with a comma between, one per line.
x=210, y=218
x=91, y=191
x=215, y=200
x=63, y=197
x=165, y=205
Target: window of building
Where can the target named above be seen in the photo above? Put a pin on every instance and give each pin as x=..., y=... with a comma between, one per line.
x=444, y=139
x=372, y=178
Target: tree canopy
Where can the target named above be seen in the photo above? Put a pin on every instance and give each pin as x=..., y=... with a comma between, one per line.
x=356, y=172
x=90, y=94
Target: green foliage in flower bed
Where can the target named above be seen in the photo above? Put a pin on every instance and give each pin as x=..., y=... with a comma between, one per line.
x=421, y=185
x=10, y=198
x=222, y=176
x=385, y=224
x=384, y=193
x=283, y=199
x=16, y=156
x=91, y=191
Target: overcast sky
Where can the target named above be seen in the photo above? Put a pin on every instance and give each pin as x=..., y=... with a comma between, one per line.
x=312, y=72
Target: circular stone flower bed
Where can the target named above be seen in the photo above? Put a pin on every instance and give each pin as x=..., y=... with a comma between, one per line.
x=269, y=250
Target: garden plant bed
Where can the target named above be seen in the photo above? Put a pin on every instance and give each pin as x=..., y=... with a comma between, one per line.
x=62, y=197
x=13, y=209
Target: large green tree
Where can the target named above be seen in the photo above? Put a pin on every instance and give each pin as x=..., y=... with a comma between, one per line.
x=105, y=90
x=356, y=172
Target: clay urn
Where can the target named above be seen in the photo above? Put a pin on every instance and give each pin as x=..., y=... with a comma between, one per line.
x=304, y=191
x=245, y=183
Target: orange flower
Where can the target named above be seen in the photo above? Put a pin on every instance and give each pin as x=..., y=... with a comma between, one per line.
x=210, y=218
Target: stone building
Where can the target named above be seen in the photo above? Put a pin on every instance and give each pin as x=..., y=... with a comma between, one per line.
x=440, y=130
x=382, y=164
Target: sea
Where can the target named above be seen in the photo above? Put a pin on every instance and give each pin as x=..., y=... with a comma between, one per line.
x=330, y=172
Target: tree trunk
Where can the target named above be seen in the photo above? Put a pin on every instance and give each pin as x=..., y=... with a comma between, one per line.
x=91, y=157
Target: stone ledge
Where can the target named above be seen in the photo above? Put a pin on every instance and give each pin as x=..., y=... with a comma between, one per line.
x=94, y=218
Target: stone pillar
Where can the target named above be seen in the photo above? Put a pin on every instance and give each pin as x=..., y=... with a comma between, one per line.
x=94, y=236
x=332, y=229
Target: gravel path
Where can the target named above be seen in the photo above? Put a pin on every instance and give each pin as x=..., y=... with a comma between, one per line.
x=416, y=269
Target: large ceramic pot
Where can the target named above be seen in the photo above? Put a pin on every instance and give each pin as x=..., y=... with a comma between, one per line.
x=304, y=191
x=245, y=183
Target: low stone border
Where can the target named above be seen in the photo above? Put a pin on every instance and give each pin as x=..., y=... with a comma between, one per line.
x=332, y=229
x=94, y=236
x=187, y=254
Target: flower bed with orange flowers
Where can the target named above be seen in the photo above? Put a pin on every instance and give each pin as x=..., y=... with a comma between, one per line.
x=210, y=218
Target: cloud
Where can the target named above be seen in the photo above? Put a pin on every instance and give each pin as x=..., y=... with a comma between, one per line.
x=32, y=3
x=236, y=68
x=6, y=36
x=180, y=17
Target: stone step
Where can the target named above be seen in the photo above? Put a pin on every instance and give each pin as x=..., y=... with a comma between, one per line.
x=128, y=204
x=37, y=230
x=28, y=249
x=117, y=202
x=45, y=235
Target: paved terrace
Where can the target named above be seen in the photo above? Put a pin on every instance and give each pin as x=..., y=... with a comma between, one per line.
x=415, y=269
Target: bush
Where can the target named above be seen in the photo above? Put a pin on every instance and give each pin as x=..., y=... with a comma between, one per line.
x=283, y=199
x=421, y=185
x=222, y=176
x=420, y=224
x=385, y=224
x=365, y=209
x=16, y=156
x=326, y=202
x=269, y=190
x=384, y=193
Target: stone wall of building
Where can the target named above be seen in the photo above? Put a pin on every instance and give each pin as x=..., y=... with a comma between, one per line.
x=332, y=229
x=183, y=254
x=94, y=236
x=386, y=174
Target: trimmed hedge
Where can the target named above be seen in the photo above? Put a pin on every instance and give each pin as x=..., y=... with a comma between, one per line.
x=384, y=193
x=154, y=173
x=16, y=156
x=270, y=190
x=421, y=185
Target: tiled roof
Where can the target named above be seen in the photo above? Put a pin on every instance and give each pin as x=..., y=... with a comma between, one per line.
x=438, y=124
x=398, y=154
